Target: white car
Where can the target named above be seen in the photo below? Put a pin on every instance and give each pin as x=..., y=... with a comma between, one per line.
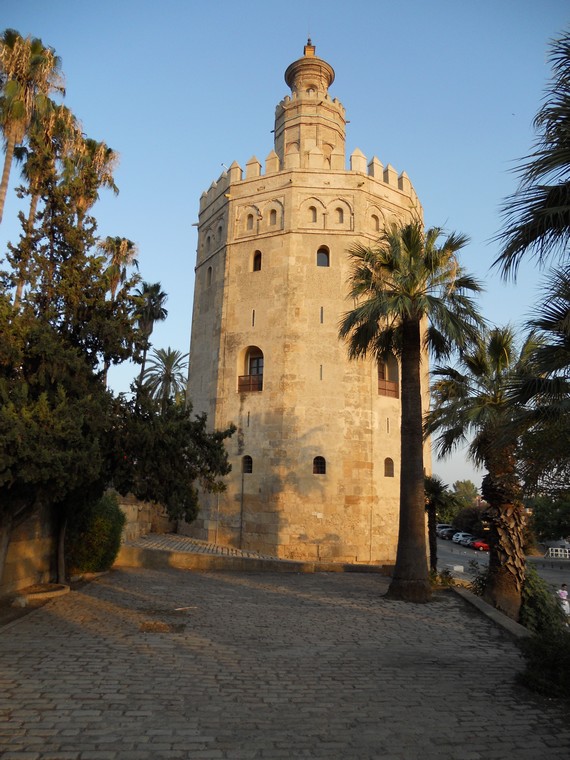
x=460, y=537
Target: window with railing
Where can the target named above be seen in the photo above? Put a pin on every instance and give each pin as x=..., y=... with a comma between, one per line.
x=388, y=384
x=253, y=379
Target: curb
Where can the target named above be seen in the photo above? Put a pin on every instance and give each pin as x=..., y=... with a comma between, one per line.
x=23, y=599
x=515, y=629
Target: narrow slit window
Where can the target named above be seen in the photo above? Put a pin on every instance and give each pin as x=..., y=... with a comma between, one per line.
x=253, y=317
x=257, y=261
x=322, y=314
x=273, y=217
x=388, y=468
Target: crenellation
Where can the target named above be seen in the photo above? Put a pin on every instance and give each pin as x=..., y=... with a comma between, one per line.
x=376, y=169
x=358, y=161
x=252, y=168
x=404, y=183
x=390, y=176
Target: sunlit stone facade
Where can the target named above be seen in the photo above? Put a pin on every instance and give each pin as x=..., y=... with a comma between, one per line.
x=316, y=456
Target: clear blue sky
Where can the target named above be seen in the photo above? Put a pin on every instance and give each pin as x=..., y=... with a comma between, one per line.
x=443, y=90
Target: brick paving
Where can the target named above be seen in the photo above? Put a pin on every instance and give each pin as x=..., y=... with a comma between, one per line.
x=142, y=664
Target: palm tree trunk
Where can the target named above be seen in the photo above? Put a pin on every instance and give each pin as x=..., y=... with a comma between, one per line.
x=432, y=538
x=410, y=581
x=6, y=523
x=507, y=563
x=10, y=144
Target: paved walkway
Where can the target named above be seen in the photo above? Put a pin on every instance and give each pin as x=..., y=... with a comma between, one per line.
x=142, y=664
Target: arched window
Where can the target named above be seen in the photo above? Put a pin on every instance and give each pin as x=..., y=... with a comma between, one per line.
x=272, y=217
x=257, y=261
x=312, y=214
x=339, y=214
x=247, y=464
x=249, y=222
x=323, y=259
x=252, y=379
x=209, y=276
x=388, y=380
x=208, y=242
x=220, y=230
x=388, y=468
x=375, y=222
x=319, y=466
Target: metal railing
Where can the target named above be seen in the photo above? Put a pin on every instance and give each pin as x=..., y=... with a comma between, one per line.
x=558, y=553
x=247, y=383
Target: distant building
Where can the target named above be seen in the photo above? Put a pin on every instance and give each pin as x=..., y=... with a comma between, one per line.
x=316, y=458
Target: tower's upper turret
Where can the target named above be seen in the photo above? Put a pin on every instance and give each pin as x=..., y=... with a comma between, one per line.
x=309, y=123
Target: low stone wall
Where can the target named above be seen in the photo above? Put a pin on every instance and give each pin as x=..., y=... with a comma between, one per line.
x=31, y=554
x=143, y=517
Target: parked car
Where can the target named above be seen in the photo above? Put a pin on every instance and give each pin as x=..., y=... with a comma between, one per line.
x=458, y=537
x=480, y=545
x=447, y=533
x=466, y=540
x=440, y=528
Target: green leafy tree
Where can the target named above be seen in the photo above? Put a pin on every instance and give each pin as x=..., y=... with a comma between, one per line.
x=550, y=519
x=398, y=285
x=29, y=73
x=165, y=376
x=471, y=399
x=537, y=216
x=165, y=454
x=465, y=492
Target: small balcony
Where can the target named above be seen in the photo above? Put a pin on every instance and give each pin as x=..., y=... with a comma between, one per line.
x=388, y=388
x=249, y=383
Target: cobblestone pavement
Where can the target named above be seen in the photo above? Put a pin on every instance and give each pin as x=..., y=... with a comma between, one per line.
x=144, y=664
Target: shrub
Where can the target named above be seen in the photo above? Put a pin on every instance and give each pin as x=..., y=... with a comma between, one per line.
x=93, y=536
x=540, y=609
x=479, y=579
x=547, y=664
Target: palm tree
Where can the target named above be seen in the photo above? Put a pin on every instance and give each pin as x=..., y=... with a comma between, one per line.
x=165, y=376
x=472, y=400
x=50, y=137
x=537, y=215
x=396, y=285
x=88, y=168
x=543, y=392
x=438, y=499
x=151, y=309
x=121, y=254
x=29, y=72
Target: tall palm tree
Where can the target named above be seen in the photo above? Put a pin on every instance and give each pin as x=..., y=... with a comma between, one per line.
x=151, y=300
x=472, y=400
x=29, y=72
x=51, y=136
x=543, y=392
x=87, y=169
x=121, y=253
x=406, y=279
x=537, y=215
x=165, y=375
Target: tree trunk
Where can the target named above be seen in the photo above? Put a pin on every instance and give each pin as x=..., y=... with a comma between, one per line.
x=10, y=144
x=5, y=532
x=432, y=538
x=507, y=561
x=410, y=581
x=61, y=550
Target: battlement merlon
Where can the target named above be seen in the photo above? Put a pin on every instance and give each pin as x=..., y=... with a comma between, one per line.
x=375, y=175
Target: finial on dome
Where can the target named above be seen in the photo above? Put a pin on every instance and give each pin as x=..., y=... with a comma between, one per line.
x=309, y=49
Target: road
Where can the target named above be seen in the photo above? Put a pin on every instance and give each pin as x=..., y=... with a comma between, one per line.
x=554, y=572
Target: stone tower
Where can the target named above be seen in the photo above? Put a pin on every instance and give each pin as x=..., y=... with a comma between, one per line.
x=316, y=456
